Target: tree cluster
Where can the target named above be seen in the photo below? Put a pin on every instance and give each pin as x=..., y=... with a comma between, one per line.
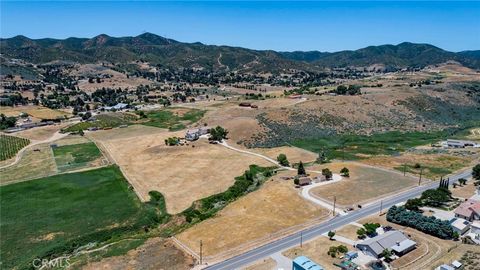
x=282, y=159
x=351, y=90
x=218, y=134
x=428, y=225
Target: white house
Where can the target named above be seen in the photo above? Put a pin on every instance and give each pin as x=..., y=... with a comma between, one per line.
x=460, y=225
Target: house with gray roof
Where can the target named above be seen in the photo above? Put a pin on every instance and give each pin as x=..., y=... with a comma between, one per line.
x=392, y=240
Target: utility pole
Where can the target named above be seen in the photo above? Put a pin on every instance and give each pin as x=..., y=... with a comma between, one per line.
x=404, y=169
x=420, y=178
x=201, y=247
x=301, y=239
x=334, y=201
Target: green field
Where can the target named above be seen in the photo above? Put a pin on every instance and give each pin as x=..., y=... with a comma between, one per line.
x=75, y=155
x=10, y=145
x=50, y=216
x=108, y=120
x=168, y=119
x=352, y=147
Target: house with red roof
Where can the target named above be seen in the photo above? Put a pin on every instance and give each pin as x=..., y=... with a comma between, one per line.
x=469, y=210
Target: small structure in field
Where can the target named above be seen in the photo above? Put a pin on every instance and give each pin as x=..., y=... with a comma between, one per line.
x=459, y=143
x=194, y=134
x=303, y=181
x=245, y=104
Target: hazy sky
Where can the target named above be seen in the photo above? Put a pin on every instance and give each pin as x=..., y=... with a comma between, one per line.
x=286, y=26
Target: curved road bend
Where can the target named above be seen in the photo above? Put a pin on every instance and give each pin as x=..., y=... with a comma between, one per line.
x=317, y=230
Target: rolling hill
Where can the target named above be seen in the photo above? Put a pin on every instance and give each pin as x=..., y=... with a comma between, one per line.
x=171, y=53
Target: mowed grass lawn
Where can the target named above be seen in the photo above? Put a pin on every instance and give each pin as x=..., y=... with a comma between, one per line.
x=365, y=183
x=44, y=216
x=75, y=155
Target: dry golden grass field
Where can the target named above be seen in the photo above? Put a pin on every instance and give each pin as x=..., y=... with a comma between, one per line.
x=349, y=231
x=183, y=174
x=155, y=253
x=466, y=191
x=36, y=162
x=265, y=264
x=40, y=133
x=263, y=214
x=364, y=184
x=34, y=111
x=317, y=250
x=435, y=165
x=294, y=154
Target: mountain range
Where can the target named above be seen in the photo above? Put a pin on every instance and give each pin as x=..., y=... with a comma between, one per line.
x=171, y=53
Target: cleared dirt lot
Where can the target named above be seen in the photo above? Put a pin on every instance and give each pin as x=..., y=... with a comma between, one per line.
x=465, y=191
x=263, y=214
x=365, y=183
x=317, y=251
x=183, y=174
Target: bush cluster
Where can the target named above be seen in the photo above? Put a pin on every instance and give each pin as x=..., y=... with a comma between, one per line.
x=429, y=225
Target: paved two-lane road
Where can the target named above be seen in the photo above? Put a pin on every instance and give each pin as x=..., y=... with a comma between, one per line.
x=332, y=224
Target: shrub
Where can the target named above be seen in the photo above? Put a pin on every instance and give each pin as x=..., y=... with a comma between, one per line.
x=429, y=225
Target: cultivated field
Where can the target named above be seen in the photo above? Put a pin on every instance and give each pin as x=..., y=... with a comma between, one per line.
x=317, y=250
x=183, y=174
x=75, y=156
x=38, y=112
x=10, y=145
x=364, y=184
x=49, y=213
x=259, y=216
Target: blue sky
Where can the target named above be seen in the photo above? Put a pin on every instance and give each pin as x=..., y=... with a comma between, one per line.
x=286, y=26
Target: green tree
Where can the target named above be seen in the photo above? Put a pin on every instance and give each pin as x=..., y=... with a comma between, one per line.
x=413, y=204
x=282, y=159
x=322, y=158
x=476, y=172
x=331, y=234
x=327, y=173
x=462, y=181
x=301, y=169
x=361, y=233
x=218, y=134
x=387, y=255
x=345, y=172
x=332, y=251
x=342, y=249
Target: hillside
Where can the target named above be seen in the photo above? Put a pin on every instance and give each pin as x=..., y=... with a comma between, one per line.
x=171, y=53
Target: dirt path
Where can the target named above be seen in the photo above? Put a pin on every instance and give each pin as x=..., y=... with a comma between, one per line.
x=56, y=136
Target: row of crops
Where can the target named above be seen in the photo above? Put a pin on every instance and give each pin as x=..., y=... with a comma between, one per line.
x=10, y=145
